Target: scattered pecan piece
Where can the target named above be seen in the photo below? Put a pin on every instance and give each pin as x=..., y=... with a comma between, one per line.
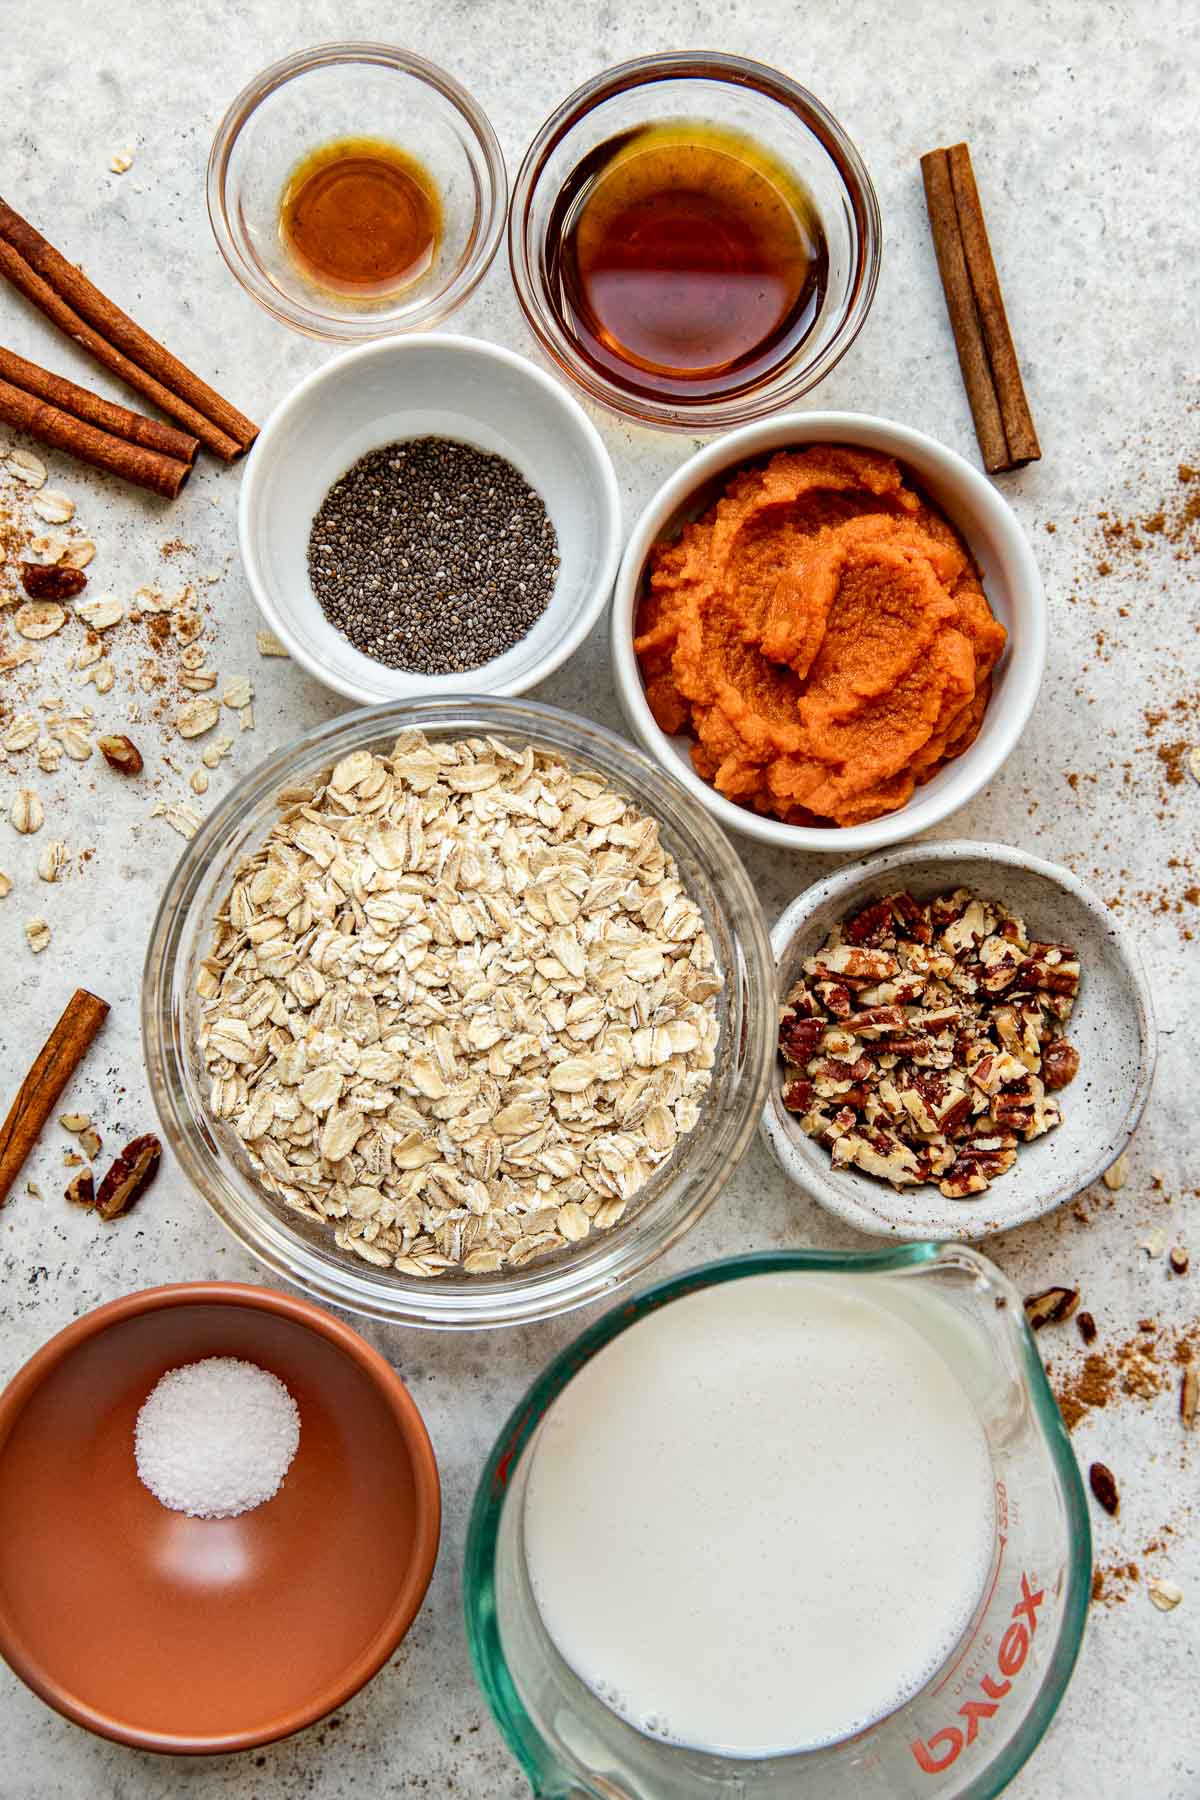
x=1103, y=1484
x=1053, y=1306
x=1179, y=1260
x=129, y=1176
x=81, y=1191
x=1087, y=1327
x=52, y=581
x=1060, y=1064
x=121, y=754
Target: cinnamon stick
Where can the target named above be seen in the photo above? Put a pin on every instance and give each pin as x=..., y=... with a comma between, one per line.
x=986, y=354
x=1023, y=446
x=115, y=335
x=38, y=1095
x=15, y=269
x=118, y=421
x=163, y=475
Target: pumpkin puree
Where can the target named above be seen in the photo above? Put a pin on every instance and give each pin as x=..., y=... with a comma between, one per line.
x=822, y=634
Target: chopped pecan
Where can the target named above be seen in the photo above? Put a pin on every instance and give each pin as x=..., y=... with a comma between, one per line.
x=799, y=1038
x=1103, y=1484
x=121, y=754
x=871, y=925
x=129, y=1176
x=1189, y=1395
x=52, y=581
x=1053, y=1306
x=1087, y=1327
x=1060, y=1064
x=854, y=964
x=913, y=917
x=928, y=1040
x=798, y=1096
x=80, y=1191
x=836, y=996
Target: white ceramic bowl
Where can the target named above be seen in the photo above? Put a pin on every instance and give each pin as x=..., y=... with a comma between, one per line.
x=428, y=384
x=1010, y=577
x=1112, y=1027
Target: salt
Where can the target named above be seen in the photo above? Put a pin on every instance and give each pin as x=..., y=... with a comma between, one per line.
x=215, y=1438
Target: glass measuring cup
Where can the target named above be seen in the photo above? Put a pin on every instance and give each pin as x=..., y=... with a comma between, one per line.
x=982, y=1714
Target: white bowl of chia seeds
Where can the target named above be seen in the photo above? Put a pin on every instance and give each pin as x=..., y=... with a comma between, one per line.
x=426, y=516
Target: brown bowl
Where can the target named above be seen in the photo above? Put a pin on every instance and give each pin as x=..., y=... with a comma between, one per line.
x=197, y=1635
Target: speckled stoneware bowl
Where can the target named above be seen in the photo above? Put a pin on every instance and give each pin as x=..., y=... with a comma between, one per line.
x=1112, y=1027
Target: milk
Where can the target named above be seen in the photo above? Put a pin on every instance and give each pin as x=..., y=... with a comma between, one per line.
x=761, y=1518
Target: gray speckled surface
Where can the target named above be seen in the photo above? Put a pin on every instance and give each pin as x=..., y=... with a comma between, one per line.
x=1081, y=121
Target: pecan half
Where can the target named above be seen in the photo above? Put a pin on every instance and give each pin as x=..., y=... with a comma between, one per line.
x=1103, y=1484
x=52, y=581
x=129, y=1176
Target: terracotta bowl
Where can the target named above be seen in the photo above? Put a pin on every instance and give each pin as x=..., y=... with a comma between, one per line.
x=194, y=1635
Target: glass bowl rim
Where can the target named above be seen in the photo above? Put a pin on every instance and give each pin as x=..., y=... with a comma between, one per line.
x=526, y=1294
x=492, y=1673
x=308, y=319
x=736, y=71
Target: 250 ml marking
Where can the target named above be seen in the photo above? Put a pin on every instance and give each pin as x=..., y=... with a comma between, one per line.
x=948, y=1743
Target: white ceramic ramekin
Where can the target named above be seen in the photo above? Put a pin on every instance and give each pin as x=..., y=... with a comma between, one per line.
x=424, y=385
x=1010, y=577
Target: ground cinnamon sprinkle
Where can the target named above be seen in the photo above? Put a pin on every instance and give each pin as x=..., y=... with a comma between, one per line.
x=1091, y=1387
x=1134, y=1368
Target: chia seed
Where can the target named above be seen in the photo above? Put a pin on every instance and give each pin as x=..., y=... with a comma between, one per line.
x=433, y=556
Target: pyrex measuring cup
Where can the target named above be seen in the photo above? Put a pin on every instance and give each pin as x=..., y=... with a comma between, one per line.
x=972, y=1726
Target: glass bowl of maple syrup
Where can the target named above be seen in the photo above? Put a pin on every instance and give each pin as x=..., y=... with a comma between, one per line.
x=357, y=190
x=694, y=240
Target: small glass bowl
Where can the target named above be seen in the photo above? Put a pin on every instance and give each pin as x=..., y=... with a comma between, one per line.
x=297, y=1249
x=775, y=112
x=347, y=90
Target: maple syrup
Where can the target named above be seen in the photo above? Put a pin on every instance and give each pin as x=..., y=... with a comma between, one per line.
x=361, y=218
x=688, y=262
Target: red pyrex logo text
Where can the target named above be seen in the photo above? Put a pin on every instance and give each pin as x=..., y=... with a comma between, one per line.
x=945, y=1745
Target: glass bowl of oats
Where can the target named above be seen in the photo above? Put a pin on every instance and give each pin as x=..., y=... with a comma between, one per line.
x=459, y=1013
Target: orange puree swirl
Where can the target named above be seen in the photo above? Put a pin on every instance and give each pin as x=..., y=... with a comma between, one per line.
x=823, y=636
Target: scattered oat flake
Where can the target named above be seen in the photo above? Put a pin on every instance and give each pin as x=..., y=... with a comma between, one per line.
x=216, y=752
x=1164, y=1594
x=1194, y=763
x=37, y=934
x=100, y=613
x=5, y=886
x=195, y=717
x=1153, y=1243
x=26, y=814
x=26, y=467
x=22, y=732
x=269, y=645
x=199, y=782
x=76, y=744
x=239, y=693
x=79, y=553
x=39, y=618
x=179, y=817
x=121, y=162
x=53, y=859
x=55, y=507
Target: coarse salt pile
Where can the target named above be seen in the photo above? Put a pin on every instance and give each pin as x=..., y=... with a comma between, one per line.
x=215, y=1438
